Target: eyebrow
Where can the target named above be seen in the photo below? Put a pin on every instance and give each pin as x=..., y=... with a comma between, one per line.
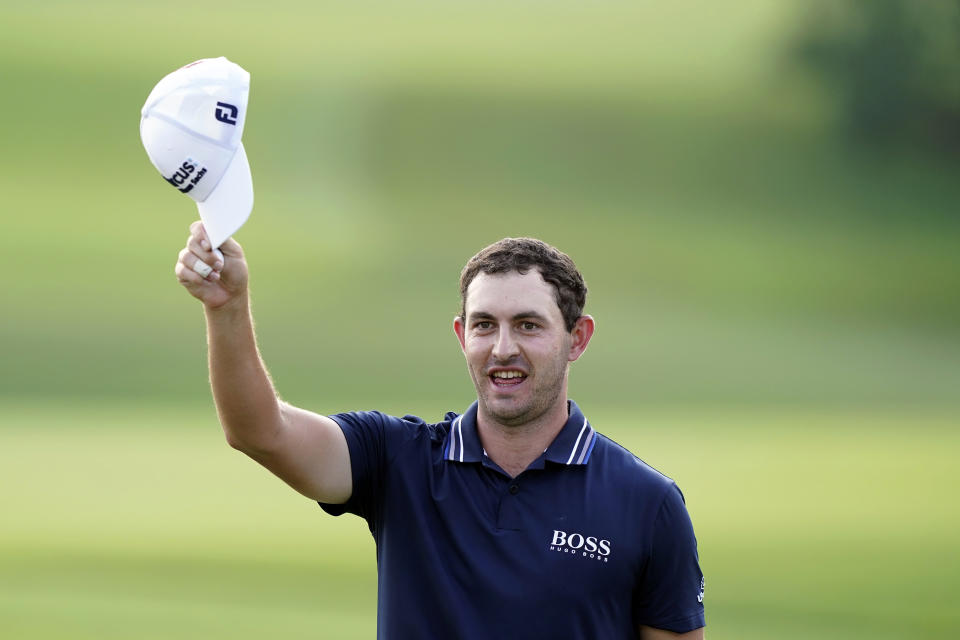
x=523, y=315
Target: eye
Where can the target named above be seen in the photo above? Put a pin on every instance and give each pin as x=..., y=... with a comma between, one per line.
x=483, y=325
x=526, y=325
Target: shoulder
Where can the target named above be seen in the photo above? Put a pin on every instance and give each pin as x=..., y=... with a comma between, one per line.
x=628, y=470
x=393, y=429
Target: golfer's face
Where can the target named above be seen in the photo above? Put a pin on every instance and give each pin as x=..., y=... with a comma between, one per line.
x=516, y=345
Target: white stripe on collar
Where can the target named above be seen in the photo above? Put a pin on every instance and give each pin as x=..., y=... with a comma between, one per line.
x=453, y=439
x=586, y=445
x=577, y=443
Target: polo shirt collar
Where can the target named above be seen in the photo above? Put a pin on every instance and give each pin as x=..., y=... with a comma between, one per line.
x=572, y=446
x=463, y=441
x=575, y=441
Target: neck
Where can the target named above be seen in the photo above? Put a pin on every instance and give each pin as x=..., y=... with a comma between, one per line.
x=513, y=448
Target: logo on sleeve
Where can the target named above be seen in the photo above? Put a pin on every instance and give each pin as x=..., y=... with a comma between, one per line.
x=580, y=545
x=700, y=595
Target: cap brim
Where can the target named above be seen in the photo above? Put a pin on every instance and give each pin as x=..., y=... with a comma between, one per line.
x=229, y=205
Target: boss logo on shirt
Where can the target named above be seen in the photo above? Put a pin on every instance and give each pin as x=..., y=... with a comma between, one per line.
x=580, y=545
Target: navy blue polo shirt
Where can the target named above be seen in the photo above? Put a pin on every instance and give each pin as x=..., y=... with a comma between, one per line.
x=588, y=542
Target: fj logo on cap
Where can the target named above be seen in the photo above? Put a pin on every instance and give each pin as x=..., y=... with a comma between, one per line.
x=226, y=113
x=187, y=176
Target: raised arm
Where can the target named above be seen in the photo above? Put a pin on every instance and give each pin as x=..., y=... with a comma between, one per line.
x=306, y=450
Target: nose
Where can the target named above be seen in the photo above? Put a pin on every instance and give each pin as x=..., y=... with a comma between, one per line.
x=505, y=348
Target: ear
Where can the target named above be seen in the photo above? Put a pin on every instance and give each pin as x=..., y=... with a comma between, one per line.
x=580, y=336
x=460, y=329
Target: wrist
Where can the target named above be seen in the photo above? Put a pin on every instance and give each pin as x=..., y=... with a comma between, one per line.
x=234, y=306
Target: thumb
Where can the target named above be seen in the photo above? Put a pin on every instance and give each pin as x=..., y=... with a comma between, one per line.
x=231, y=247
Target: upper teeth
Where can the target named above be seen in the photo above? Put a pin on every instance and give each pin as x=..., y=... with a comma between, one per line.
x=507, y=374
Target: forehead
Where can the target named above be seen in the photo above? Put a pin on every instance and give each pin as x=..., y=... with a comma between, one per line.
x=510, y=293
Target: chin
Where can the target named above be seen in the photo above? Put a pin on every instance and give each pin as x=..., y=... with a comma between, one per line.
x=510, y=419
x=512, y=415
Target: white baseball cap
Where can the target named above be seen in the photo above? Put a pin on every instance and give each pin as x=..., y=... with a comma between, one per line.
x=191, y=126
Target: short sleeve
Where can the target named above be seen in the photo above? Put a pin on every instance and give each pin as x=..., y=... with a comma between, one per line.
x=372, y=438
x=670, y=592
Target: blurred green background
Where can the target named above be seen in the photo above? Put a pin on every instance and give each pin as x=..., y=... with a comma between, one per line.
x=762, y=196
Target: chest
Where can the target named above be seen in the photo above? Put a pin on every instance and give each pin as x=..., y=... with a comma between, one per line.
x=559, y=532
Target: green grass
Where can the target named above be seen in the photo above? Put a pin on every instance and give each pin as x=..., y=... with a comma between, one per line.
x=144, y=523
x=141, y=521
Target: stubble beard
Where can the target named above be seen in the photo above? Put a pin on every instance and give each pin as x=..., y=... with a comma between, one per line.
x=542, y=398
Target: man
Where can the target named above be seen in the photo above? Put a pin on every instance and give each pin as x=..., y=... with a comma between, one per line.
x=513, y=520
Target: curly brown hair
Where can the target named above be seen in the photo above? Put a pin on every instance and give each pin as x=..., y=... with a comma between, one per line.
x=521, y=255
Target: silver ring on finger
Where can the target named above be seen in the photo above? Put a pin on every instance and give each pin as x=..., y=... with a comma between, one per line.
x=202, y=268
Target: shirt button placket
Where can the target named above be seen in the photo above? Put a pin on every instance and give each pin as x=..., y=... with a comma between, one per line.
x=509, y=515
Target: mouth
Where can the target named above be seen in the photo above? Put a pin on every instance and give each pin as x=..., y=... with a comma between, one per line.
x=507, y=377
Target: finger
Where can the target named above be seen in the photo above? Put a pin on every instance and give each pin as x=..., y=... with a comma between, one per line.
x=188, y=278
x=213, y=258
x=202, y=268
x=200, y=232
x=193, y=262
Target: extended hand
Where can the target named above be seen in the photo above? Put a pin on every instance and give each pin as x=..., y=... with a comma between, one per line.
x=225, y=279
